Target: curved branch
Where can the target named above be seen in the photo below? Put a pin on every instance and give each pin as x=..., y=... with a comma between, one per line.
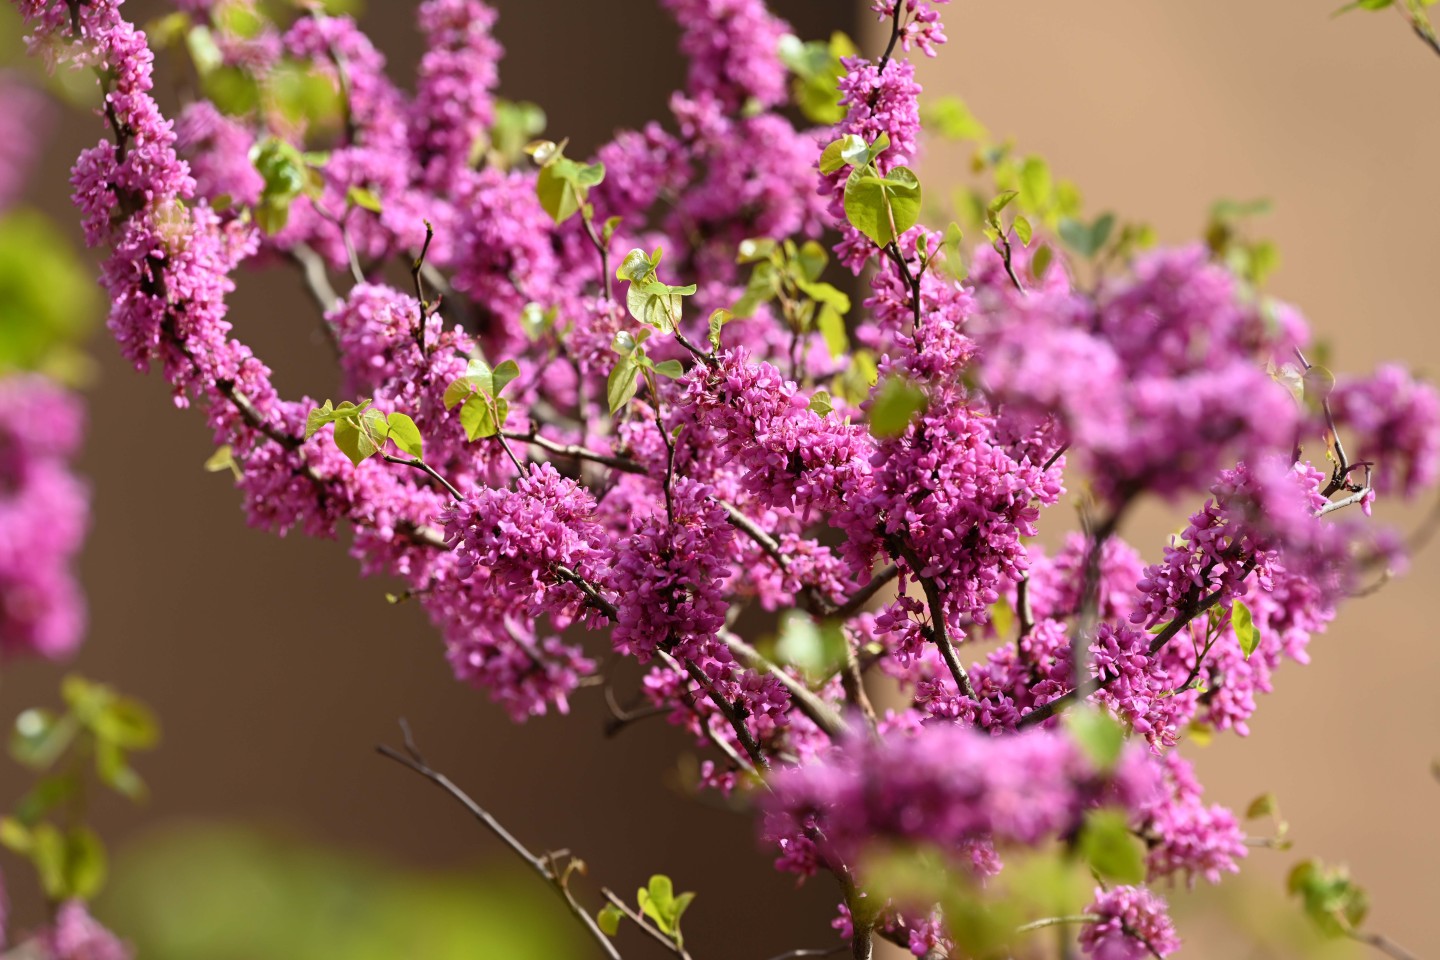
x=412, y=759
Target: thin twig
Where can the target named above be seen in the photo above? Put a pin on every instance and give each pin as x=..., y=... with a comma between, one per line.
x=936, y=603
x=417, y=269
x=732, y=715
x=591, y=594
x=1058, y=921
x=317, y=283
x=412, y=759
x=1382, y=943
x=421, y=465
x=574, y=452
x=894, y=37
x=798, y=954
x=254, y=417
x=878, y=581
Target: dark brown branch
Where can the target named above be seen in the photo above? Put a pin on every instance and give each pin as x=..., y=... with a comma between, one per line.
x=253, y=417
x=424, y=467
x=591, y=594
x=728, y=710
x=877, y=582
x=938, y=631
x=575, y=452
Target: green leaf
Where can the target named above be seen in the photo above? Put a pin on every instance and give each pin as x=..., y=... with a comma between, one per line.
x=656, y=304
x=635, y=266
x=953, y=257
x=113, y=768
x=1331, y=899
x=85, y=863
x=1264, y=805
x=363, y=198
x=503, y=374
x=1243, y=623
x=484, y=417
x=1087, y=240
x=1023, y=230
x=841, y=153
x=1036, y=186
x=405, y=435
x=1112, y=851
x=204, y=51
x=1319, y=383
x=755, y=249
x=48, y=794
x=1040, y=262
x=40, y=737
x=760, y=288
x=127, y=723
x=950, y=118
x=283, y=170
x=1000, y=202
x=718, y=319
x=832, y=327
x=558, y=194
x=361, y=436
x=879, y=146
x=817, y=69
x=222, y=459
x=673, y=369
x=608, y=919
x=49, y=853
x=622, y=384
x=516, y=124
x=882, y=207
x=897, y=400
x=1098, y=735
x=816, y=648
x=15, y=836
x=1363, y=5
x=820, y=403
x=478, y=379
x=657, y=901
x=589, y=176
x=825, y=293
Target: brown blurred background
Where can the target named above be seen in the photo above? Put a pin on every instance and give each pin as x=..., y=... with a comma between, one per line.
x=273, y=692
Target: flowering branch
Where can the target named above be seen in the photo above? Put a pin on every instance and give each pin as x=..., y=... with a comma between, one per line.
x=937, y=631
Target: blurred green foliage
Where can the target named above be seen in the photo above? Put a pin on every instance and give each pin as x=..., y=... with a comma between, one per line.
x=214, y=892
x=48, y=299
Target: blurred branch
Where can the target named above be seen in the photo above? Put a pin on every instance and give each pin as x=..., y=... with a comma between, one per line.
x=1382, y=943
x=412, y=759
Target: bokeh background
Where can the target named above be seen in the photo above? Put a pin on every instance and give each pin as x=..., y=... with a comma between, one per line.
x=275, y=670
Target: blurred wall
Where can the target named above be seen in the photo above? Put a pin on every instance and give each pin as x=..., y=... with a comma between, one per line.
x=274, y=690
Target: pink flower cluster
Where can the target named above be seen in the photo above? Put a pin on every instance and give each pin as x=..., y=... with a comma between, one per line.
x=944, y=785
x=44, y=514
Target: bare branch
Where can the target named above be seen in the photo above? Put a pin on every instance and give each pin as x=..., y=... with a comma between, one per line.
x=412, y=759
x=575, y=452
